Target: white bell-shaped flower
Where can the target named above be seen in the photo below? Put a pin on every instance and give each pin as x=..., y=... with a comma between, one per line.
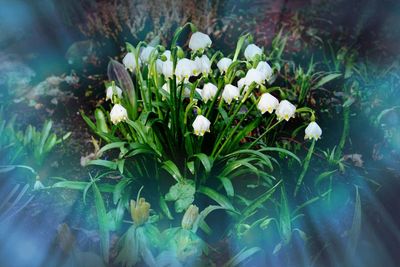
x=184, y=69
x=253, y=75
x=166, y=55
x=252, y=51
x=38, y=185
x=230, y=92
x=145, y=54
x=159, y=65
x=201, y=125
x=111, y=91
x=208, y=92
x=199, y=40
x=167, y=69
x=265, y=69
x=285, y=110
x=129, y=62
x=313, y=131
x=203, y=64
x=223, y=64
x=118, y=113
x=268, y=103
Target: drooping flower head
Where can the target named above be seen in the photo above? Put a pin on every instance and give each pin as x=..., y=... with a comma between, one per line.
x=313, y=131
x=223, y=64
x=199, y=40
x=230, y=92
x=252, y=51
x=184, y=69
x=285, y=110
x=203, y=64
x=267, y=103
x=253, y=75
x=129, y=62
x=201, y=125
x=118, y=113
x=145, y=54
x=208, y=92
x=190, y=217
x=265, y=69
x=111, y=91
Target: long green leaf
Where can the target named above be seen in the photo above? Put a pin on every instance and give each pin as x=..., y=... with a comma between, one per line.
x=102, y=219
x=217, y=197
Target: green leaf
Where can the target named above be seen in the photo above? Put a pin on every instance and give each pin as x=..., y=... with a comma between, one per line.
x=284, y=218
x=172, y=169
x=203, y=214
x=104, y=163
x=327, y=79
x=183, y=195
x=111, y=146
x=242, y=256
x=281, y=150
x=102, y=220
x=354, y=233
x=227, y=186
x=258, y=202
x=217, y=197
x=205, y=160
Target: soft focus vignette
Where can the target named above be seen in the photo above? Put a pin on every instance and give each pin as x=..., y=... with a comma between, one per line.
x=202, y=157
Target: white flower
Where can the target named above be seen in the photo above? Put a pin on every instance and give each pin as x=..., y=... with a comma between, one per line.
x=285, y=110
x=159, y=64
x=129, y=61
x=201, y=125
x=203, y=64
x=118, y=113
x=110, y=93
x=38, y=185
x=267, y=103
x=208, y=92
x=230, y=92
x=224, y=64
x=167, y=69
x=252, y=51
x=313, y=131
x=253, y=75
x=167, y=54
x=185, y=68
x=265, y=70
x=165, y=87
x=145, y=54
x=199, y=40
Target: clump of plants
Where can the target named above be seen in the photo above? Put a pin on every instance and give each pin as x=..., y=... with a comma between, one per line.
x=192, y=131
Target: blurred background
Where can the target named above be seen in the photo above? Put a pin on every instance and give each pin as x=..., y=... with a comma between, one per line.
x=53, y=61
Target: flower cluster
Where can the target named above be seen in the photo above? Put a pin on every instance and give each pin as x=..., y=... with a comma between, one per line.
x=199, y=68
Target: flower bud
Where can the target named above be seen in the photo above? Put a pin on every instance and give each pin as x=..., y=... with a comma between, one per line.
x=267, y=103
x=224, y=64
x=140, y=211
x=118, y=113
x=230, y=92
x=313, y=131
x=199, y=40
x=190, y=217
x=252, y=51
x=285, y=110
x=201, y=125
